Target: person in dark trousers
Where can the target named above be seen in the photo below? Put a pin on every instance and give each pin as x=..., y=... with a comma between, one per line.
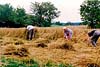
x=94, y=36
x=30, y=32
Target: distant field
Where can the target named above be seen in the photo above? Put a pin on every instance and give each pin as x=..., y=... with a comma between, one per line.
x=49, y=45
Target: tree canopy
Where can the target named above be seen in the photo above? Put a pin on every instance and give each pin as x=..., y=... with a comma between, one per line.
x=90, y=12
x=44, y=13
x=11, y=17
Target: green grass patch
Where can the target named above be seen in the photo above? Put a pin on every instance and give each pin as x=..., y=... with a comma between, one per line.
x=11, y=62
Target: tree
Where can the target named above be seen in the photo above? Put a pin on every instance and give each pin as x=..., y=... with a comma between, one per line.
x=69, y=23
x=20, y=16
x=44, y=12
x=11, y=17
x=5, y=14
x=90, y=12
x=58, y=23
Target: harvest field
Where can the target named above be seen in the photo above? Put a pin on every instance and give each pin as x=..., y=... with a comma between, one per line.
x=49, y=45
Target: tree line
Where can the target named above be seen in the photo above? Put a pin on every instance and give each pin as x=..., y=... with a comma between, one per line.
x=41, y=15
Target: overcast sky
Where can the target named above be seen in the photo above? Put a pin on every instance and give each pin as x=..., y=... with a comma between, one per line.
x=69, y=8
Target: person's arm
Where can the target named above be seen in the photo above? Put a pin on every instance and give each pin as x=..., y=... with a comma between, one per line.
x=89, y=39
x=66, y=36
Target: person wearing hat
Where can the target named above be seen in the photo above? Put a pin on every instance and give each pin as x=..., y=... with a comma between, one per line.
x=67, y=33
x=30, y=32
x=94, y=36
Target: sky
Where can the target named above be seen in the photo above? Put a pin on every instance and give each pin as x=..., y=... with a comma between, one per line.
x=70, y=9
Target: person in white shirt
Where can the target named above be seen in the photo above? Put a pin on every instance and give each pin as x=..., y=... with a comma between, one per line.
x=67, y=33
x=30, y=32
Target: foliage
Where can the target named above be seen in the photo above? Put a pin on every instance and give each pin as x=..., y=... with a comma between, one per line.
x=20, y=15
x=10, y=17
x=5, y=14
x=44, y=13
x=90, y=12
x=98, y=26
x=84, y=23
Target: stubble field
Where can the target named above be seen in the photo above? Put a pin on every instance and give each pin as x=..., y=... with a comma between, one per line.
x=49, y=45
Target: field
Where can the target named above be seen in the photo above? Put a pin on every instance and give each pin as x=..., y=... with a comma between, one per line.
x=49, y=45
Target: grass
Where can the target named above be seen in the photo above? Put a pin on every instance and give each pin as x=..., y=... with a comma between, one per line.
x=49, y=47
x=11, y=62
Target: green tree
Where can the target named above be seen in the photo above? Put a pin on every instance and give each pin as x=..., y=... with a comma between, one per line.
x=5, y=14
x=44, y=13
x=20, y=16
x=28, y=19
x=90, y=12
x=11, y=17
